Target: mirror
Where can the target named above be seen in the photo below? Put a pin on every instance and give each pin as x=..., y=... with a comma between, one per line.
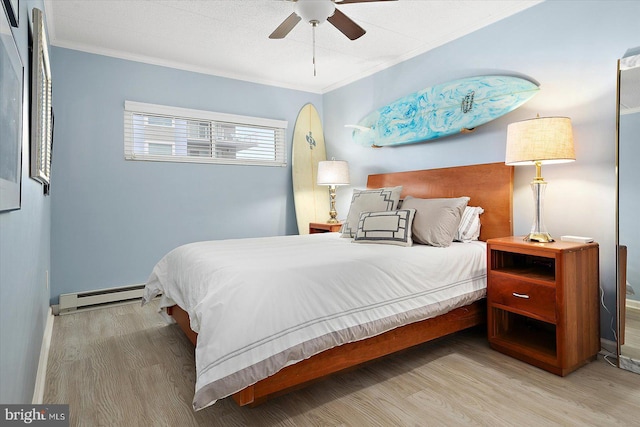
x=628, y=232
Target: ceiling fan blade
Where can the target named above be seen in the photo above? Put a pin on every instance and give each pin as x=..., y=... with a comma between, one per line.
x=286, y=26
x=357, y=1
x=346, y=26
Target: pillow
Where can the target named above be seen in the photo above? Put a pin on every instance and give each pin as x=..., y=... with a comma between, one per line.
x=378, y=200
x=469, y=228
x=437, y=220
x=388, y=227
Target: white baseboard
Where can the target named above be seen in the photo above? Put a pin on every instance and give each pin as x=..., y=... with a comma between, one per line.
x=633, y=304
x=633, y=309
x=630, y=364
x=41, y=376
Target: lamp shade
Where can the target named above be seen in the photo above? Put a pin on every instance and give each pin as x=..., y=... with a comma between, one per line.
x=333, y=172
x=541, y=140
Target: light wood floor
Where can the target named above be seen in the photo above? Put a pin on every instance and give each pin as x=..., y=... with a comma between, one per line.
x=123, y=366
x=631, y=347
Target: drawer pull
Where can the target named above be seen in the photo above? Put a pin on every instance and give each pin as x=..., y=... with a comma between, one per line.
x=523, y=296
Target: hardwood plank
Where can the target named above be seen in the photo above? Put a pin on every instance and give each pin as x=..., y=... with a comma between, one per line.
x=113, y=367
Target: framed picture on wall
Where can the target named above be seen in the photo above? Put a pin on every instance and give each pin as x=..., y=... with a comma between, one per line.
x=12, y=7
x=11, y=96
x=41, y=110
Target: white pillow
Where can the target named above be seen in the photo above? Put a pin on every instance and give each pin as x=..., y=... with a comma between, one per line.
x=469, y=228
x=389, y=227
x=378, y=200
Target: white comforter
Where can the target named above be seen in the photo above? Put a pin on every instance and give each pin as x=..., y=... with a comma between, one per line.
x=261, y=304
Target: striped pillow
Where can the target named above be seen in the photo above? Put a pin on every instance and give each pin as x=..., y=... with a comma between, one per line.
x=469, y=228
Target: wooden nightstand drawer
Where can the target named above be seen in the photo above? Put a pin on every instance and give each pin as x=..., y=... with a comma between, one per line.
x=533, y=300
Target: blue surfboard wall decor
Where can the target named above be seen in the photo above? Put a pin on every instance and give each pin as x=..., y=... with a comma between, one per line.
x=443, y=110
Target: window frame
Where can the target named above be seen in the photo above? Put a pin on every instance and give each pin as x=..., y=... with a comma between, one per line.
x=214, y=119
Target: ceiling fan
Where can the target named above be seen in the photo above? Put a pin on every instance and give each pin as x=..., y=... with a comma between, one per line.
x=315, y=12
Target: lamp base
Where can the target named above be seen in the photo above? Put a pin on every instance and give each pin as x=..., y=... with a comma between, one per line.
x=542, y=237
x=332, y=212
x=538, y=230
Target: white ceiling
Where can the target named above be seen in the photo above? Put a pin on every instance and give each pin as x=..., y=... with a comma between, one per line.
x=230, y=37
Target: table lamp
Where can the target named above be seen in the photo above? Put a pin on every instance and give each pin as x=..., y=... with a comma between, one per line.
x=333, y=173
x=543, y=140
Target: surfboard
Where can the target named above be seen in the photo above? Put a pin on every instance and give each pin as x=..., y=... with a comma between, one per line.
x=443, y=110
x=311, y=200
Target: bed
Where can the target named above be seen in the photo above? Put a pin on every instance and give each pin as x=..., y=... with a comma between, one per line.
x=253, y=344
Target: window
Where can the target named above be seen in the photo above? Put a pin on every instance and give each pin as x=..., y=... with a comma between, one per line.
x=161, y=133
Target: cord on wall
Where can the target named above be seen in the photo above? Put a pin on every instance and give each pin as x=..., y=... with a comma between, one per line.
x=605, y=352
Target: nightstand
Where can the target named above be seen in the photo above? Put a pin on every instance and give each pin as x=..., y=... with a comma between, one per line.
x=323, y=227
x=542, y=300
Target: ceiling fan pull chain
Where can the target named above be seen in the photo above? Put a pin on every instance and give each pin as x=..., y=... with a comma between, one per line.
x=313, y=36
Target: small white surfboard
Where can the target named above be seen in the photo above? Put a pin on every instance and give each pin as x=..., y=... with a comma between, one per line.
x=311, y=200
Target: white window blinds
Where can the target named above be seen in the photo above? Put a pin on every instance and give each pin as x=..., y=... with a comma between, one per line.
x=162, y=133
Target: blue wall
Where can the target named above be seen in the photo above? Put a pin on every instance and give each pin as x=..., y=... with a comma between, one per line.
x=24, y=262
x=570, y=48
x=112, y=219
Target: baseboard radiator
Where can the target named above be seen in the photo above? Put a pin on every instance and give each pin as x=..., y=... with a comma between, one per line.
x=95, y=299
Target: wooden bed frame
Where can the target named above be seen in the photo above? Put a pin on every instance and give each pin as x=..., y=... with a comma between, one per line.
x=489, y=186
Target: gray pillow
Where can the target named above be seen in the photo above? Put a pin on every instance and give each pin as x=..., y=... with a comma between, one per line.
x=378, y=200
x=389, y=227
x=436, y=221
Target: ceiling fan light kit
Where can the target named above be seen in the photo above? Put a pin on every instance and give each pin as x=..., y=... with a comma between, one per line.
x=315, y=12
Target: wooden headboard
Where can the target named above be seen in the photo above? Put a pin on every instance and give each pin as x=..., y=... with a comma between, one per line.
x=489, y=186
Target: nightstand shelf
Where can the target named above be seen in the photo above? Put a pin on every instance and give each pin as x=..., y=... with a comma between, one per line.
x=526, y=266
x=543, y=302
x=523, y=334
